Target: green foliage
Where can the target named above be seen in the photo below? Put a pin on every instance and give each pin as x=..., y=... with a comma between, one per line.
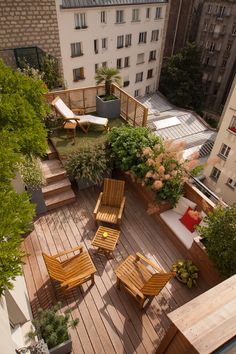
x=89, y=164
x=126, y=144
x=211, y=121
x=53, y=326
x=15, y=215
x=51, y=72
x=31, y=172
x=108, y=76
x=181, y=78
x=186, y=271
x=219, y=232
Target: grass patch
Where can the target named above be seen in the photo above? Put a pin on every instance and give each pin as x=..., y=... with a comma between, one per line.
x=95, y=136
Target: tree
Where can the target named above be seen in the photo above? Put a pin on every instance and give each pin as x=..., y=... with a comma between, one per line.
x=219, y=233
x=107, y=75
x=181, y=78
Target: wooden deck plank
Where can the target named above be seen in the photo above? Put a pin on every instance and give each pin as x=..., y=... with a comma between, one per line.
x=110, y=320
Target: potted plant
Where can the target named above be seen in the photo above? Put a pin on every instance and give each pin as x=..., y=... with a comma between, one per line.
x=186, y=272
x=88, y=166
x=52, y=327
x=107, y=105
x=32, y=177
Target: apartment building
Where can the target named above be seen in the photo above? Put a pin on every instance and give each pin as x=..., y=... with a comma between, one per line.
x=217, y=39
x=128, y=35
x=221, y=178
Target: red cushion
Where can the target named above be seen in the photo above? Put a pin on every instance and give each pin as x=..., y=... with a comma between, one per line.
x=188, y=221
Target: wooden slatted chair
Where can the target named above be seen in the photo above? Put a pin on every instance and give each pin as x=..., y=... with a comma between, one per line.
x=140, y=281
x=73, y=271
x=111, y=202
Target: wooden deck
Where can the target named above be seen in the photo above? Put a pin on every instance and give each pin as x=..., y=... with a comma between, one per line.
x=110, y=320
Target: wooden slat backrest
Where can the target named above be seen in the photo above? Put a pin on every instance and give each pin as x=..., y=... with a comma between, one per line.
x=156, y=283
x=113, y=192
x=54, y=267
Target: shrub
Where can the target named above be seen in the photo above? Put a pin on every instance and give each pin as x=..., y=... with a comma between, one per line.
x=126, y=144
x=53, y=326
x=31, y=173
x=186, y=272
x=219, y=233
x=89, y=164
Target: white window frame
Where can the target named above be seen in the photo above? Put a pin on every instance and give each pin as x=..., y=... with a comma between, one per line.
x=137, y=93
x=142, y=37
x=224, y=151
x=153, y=55
x=96, y=46
x=149, y=77
x=96, y=67
x=139, y=77
x=215, y=173
x=136, y=15
x=126, y=62
x=231, y=183
x=103, y=17
x=147, y=89
x=128, y=40
x=140, y=58
x=233, y=123
x=104, y=64
x=148, y=13
x=119, y=63
x=76, y=49
x=155, y=35
x=120, y=41
x=120, y=16
x=158, y=13
x=78, y=77
x=104, y=43
x=80, y=20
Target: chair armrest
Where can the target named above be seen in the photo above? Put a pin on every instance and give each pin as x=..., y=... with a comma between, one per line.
x=121, y=208
x=132, y=287
x=68, y=251
x=74, y=118
x=99, y=201
x=153, y=265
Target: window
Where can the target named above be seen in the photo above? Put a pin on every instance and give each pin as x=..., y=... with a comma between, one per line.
x=142, y=37
x=135, y=15
x=158, y=13
x=140, y=58
x=137, y=93
x=209, y=9
x=232, y=126
x=95, y=44
x=126, y=81
x=119, y=63
x=76, y=49
x=231, y=183
x=128, y=40
x=96, y=67
x=148, y=13
x=126, y=62
x=104, y=43
x=215, y=174
x=103, y=17
x=205, y=25
x=139, y=77
x=78, y=74
x=212, y=47
x=233, y=32
x=120, y=16
x=224, y=151
x=149, y=73
x=155, y=35
x=147, y=90
x=104, y=64
x=152, y=55
x=120, y=42
x=221, y=11
x=224, y=63
x=80, y=21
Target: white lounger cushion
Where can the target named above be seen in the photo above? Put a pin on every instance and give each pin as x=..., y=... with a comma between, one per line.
x=171, y=218
x=88, y=118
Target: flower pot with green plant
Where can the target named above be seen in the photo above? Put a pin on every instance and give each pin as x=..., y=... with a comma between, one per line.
x=88, y=166
x=52, y=326
x=107, y=105
x=186, y=272
x=32, y=177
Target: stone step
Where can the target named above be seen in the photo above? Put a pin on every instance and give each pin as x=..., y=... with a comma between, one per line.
x=61, y=199
x=53, y=170
x=56, y=187
x=51, y=152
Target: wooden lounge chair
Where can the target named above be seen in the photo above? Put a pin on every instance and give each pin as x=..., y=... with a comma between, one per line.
x=138, y=280
x=84, y=121
x=111, y=202
x=73, y=271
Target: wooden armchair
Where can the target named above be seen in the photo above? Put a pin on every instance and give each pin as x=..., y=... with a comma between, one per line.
x=111, y=202
x=138, y=280
x=73, y=271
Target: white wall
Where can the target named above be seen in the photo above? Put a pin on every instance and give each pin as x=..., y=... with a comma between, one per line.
x=96, y=30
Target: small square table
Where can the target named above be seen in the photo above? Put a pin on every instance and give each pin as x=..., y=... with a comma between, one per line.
x=107, y=244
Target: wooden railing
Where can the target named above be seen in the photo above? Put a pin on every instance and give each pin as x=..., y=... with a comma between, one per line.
x=132, y=111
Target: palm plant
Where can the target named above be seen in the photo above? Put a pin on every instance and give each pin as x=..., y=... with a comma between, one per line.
x=107, y=75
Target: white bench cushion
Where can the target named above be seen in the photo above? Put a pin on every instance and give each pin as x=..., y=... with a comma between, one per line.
x=171, y=218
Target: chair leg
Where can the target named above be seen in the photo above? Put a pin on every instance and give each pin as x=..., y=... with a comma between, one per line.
x=141, y=303
x=92, y=280
x=118, y=283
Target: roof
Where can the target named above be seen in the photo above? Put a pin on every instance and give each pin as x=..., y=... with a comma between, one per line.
x=66, y=4
x=191, y=129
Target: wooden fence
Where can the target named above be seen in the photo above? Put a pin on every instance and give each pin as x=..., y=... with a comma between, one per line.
x=132, y=111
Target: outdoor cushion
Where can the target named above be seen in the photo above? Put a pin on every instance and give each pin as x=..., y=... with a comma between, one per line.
x=171, y=218
x=88, y=118
x=183, y=205
x=189, y=221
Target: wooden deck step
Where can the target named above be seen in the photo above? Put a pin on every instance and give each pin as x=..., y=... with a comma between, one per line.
x=56, y=187
x=51, y=152
x=53, y=170
x=61, y=199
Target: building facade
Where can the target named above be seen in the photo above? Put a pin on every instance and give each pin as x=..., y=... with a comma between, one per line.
x=127, y=35
x=221, y=178
x=217, y=39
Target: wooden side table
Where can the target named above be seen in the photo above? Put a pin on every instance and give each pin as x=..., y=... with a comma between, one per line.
x=108, y=243
x=70, y=126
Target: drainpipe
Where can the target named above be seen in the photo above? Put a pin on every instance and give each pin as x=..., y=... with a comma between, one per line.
x=177, y=25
